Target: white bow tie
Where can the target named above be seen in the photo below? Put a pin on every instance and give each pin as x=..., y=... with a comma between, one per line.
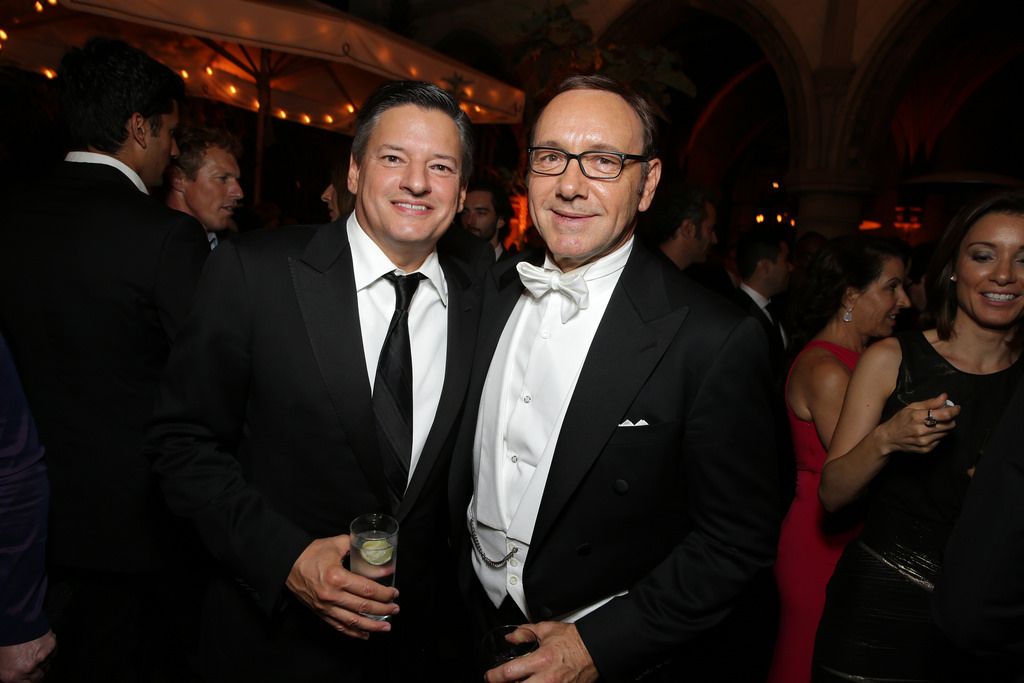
x=539, y=282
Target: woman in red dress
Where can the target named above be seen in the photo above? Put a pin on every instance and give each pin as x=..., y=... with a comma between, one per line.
x=850, y=295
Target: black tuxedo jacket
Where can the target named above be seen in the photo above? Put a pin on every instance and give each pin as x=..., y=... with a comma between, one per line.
x=776, y=349
x=264, y=436
x=682, y=512
x=95, y=279
x=979, y=596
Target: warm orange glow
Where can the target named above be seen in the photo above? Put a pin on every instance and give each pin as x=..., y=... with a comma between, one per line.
x=256, y=104
x=282, y=113
x=184, y=74
x=759, y=218
x=49, y=73
x=209, y=71
x=3, y=34
x=775, y=185
x=464, y=107
x=778, y=218
x=52, y=2
x=468, y=90
x=350, y=108
x=305, y=118
x=39, y=6
x=792, y=222
x=233, y=90
x=870, y=225
x=414, y=71
x=328, y=118
x=477, y=109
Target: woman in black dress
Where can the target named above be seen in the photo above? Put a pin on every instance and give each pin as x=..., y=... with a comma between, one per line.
x=913, y=428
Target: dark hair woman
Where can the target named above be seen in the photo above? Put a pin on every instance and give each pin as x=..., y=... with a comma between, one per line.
x=850, y=294
x=914, y=426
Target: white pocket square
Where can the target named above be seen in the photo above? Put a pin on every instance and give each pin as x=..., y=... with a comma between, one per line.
x=630, y=423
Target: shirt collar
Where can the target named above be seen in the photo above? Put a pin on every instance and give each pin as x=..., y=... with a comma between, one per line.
x=758, y=298
x=369, y=263
x=107, y=160
x=609, y=264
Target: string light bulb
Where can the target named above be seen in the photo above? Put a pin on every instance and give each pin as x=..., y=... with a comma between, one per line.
x=184, y=74
x=759, y=218
x=328, y=118
x=305, y=118
x=50, y=73
x=3, y=34
x=282, y=113
x=209, y=71
x=233, y=90
x=350, y=108
x=39, y=6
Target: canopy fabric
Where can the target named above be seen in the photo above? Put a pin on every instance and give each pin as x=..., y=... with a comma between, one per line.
x=304, y=61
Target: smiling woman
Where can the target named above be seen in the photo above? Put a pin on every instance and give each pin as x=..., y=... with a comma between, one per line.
x=915, y=425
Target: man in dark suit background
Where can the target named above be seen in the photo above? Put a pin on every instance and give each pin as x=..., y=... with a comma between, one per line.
x=979, y=596
x=486, y=215
x=762, y=256
x=95, y=279
x=614, y=480
x=267, y=430
x=203, y=179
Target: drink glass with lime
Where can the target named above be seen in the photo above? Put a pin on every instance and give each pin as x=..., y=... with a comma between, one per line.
x=374, y=549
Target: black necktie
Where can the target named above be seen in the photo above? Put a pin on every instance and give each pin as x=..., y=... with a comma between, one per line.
x=392, y=389
x=776, y=316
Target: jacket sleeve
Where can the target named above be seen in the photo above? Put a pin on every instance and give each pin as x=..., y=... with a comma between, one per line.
x=198, y=427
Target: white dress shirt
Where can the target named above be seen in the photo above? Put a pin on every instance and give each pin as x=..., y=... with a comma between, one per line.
x=107, y=160
x=528, y=389
x=428, y=325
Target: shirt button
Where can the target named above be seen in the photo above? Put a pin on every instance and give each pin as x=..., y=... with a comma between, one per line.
x=545, y=334
x=527, y=398
x=513, y=563
x=512, y=580
x=514, y=458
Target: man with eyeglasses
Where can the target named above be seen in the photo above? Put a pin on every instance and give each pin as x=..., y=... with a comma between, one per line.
x=618, y=485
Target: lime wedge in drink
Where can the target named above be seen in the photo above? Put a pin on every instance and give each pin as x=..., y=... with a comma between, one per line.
x=377, y=551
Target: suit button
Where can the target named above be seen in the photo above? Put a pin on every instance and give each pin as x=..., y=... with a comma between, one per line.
x=584, y=550
x=621, y=486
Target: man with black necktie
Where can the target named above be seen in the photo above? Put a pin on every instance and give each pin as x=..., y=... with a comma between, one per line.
x=319, y=378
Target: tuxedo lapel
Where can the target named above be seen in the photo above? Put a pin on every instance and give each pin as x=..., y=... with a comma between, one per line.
x=634, y=333
x=463, y=301
x=326, y=293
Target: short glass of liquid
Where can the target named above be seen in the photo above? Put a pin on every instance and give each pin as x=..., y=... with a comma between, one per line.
x=374, y=550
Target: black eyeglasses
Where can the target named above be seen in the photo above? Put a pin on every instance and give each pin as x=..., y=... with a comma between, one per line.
x=594, y=164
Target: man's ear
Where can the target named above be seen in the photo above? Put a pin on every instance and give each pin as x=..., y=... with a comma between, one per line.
x=138, y=130
x=352, y=181
x=501, y=223
x=650, y=184
x=688, y=229
x=177, y=178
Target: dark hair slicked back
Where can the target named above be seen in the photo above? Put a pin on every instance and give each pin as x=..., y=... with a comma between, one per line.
x=103, y=83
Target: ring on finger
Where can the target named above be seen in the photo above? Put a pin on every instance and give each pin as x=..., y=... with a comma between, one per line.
x=930, y=421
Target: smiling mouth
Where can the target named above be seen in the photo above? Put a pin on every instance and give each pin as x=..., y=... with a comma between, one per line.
x=999, y=296
x=411, y=207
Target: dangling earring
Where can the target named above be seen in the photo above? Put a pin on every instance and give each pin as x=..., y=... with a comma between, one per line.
x=952, y=278
x=847, y=315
